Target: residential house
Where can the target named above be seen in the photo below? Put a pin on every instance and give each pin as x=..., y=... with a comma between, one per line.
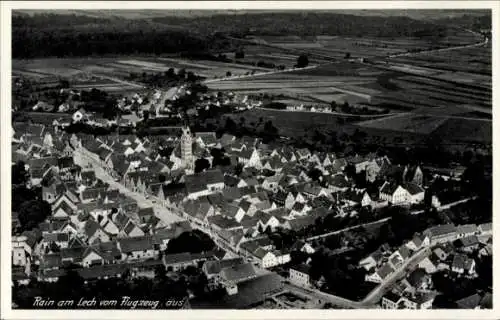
x=441, y=233
x=302, y=246
x=463, y=265
x=204, y=183
x=379, y=275
x=300, y=275
x=138, y=248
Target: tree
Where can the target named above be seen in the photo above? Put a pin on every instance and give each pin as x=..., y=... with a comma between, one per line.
x=19, y=173
x=302, y=61
x=181, y=73
x=239, y=54
x=191, y=77
x=347, y=55
x=228, y=74
x=315, y=174
x=194, y=242
x=33, y=212
x=201, y=164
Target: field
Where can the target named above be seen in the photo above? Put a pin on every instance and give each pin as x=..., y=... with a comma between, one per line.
x=475, y=60
x=337, y=47
x=294, y=124
x=108, y=73
x=340, y=82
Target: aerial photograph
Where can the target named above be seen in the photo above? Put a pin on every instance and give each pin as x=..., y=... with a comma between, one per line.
x=251, y=159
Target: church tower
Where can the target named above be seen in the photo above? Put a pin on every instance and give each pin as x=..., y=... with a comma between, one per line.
x=187, y=149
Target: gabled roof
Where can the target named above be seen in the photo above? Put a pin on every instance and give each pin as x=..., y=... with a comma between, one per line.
x=238, y=272
x=214, y=267
x=388, y=188
x=223, y=222
x=199, y=181
x=384, y=271
x=470, y=302
x=302, y=268
x=141, y=243
x=91, y=228
x=413, y=188
x=462, y=262
x=440, y=230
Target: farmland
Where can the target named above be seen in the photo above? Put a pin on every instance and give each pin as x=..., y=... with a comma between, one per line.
x=295, y=124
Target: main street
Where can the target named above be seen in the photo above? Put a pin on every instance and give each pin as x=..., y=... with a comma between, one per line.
x=161, y=212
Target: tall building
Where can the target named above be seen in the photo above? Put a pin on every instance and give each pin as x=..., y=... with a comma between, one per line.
x=187, y=149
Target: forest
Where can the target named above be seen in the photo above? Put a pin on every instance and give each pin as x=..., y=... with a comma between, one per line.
x=58, y=35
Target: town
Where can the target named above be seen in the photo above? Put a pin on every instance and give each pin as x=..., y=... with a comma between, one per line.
x=160, y=193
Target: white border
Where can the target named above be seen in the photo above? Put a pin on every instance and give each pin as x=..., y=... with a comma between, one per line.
x=5, y=157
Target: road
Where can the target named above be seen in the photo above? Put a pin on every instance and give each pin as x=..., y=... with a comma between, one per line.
x=347, y=229
x=258, y=74
x=325, y=297
x=477, y=44
x=337, y=113
x=376, y=294
x=161, y=212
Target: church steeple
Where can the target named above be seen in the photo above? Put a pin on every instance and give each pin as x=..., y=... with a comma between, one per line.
x=187, y=148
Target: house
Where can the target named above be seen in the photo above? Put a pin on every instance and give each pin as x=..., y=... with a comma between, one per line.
x=212, y=268
x=180, y=261
x=220, y=222
x=204, y=183
x=413, y=174
x=485, y=228
x=94, y=233
x=418, y=241
x=382, y=273
x=236, y=273
x=300, y=275
x=302, y=246
x=468, y=244
x=417, y=281
x=138, y=248
x=272, y=183
x=356, y=197
x=21, y=251
x=372, y=261
x=392, y=300
x=470, y=302
x=79, y=115
x=399, y=256
x=198, y=211
x=405, y=194
x=441, y=233
x=232, y=211
x=463, y=265
x=266, y=259
x=431, y=264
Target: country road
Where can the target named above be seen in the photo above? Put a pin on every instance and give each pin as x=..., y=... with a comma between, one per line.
x=473, y=45
x=336, y=113
x=258, y=74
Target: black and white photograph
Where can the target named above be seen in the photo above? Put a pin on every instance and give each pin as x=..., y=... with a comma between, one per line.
x=248, y=158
